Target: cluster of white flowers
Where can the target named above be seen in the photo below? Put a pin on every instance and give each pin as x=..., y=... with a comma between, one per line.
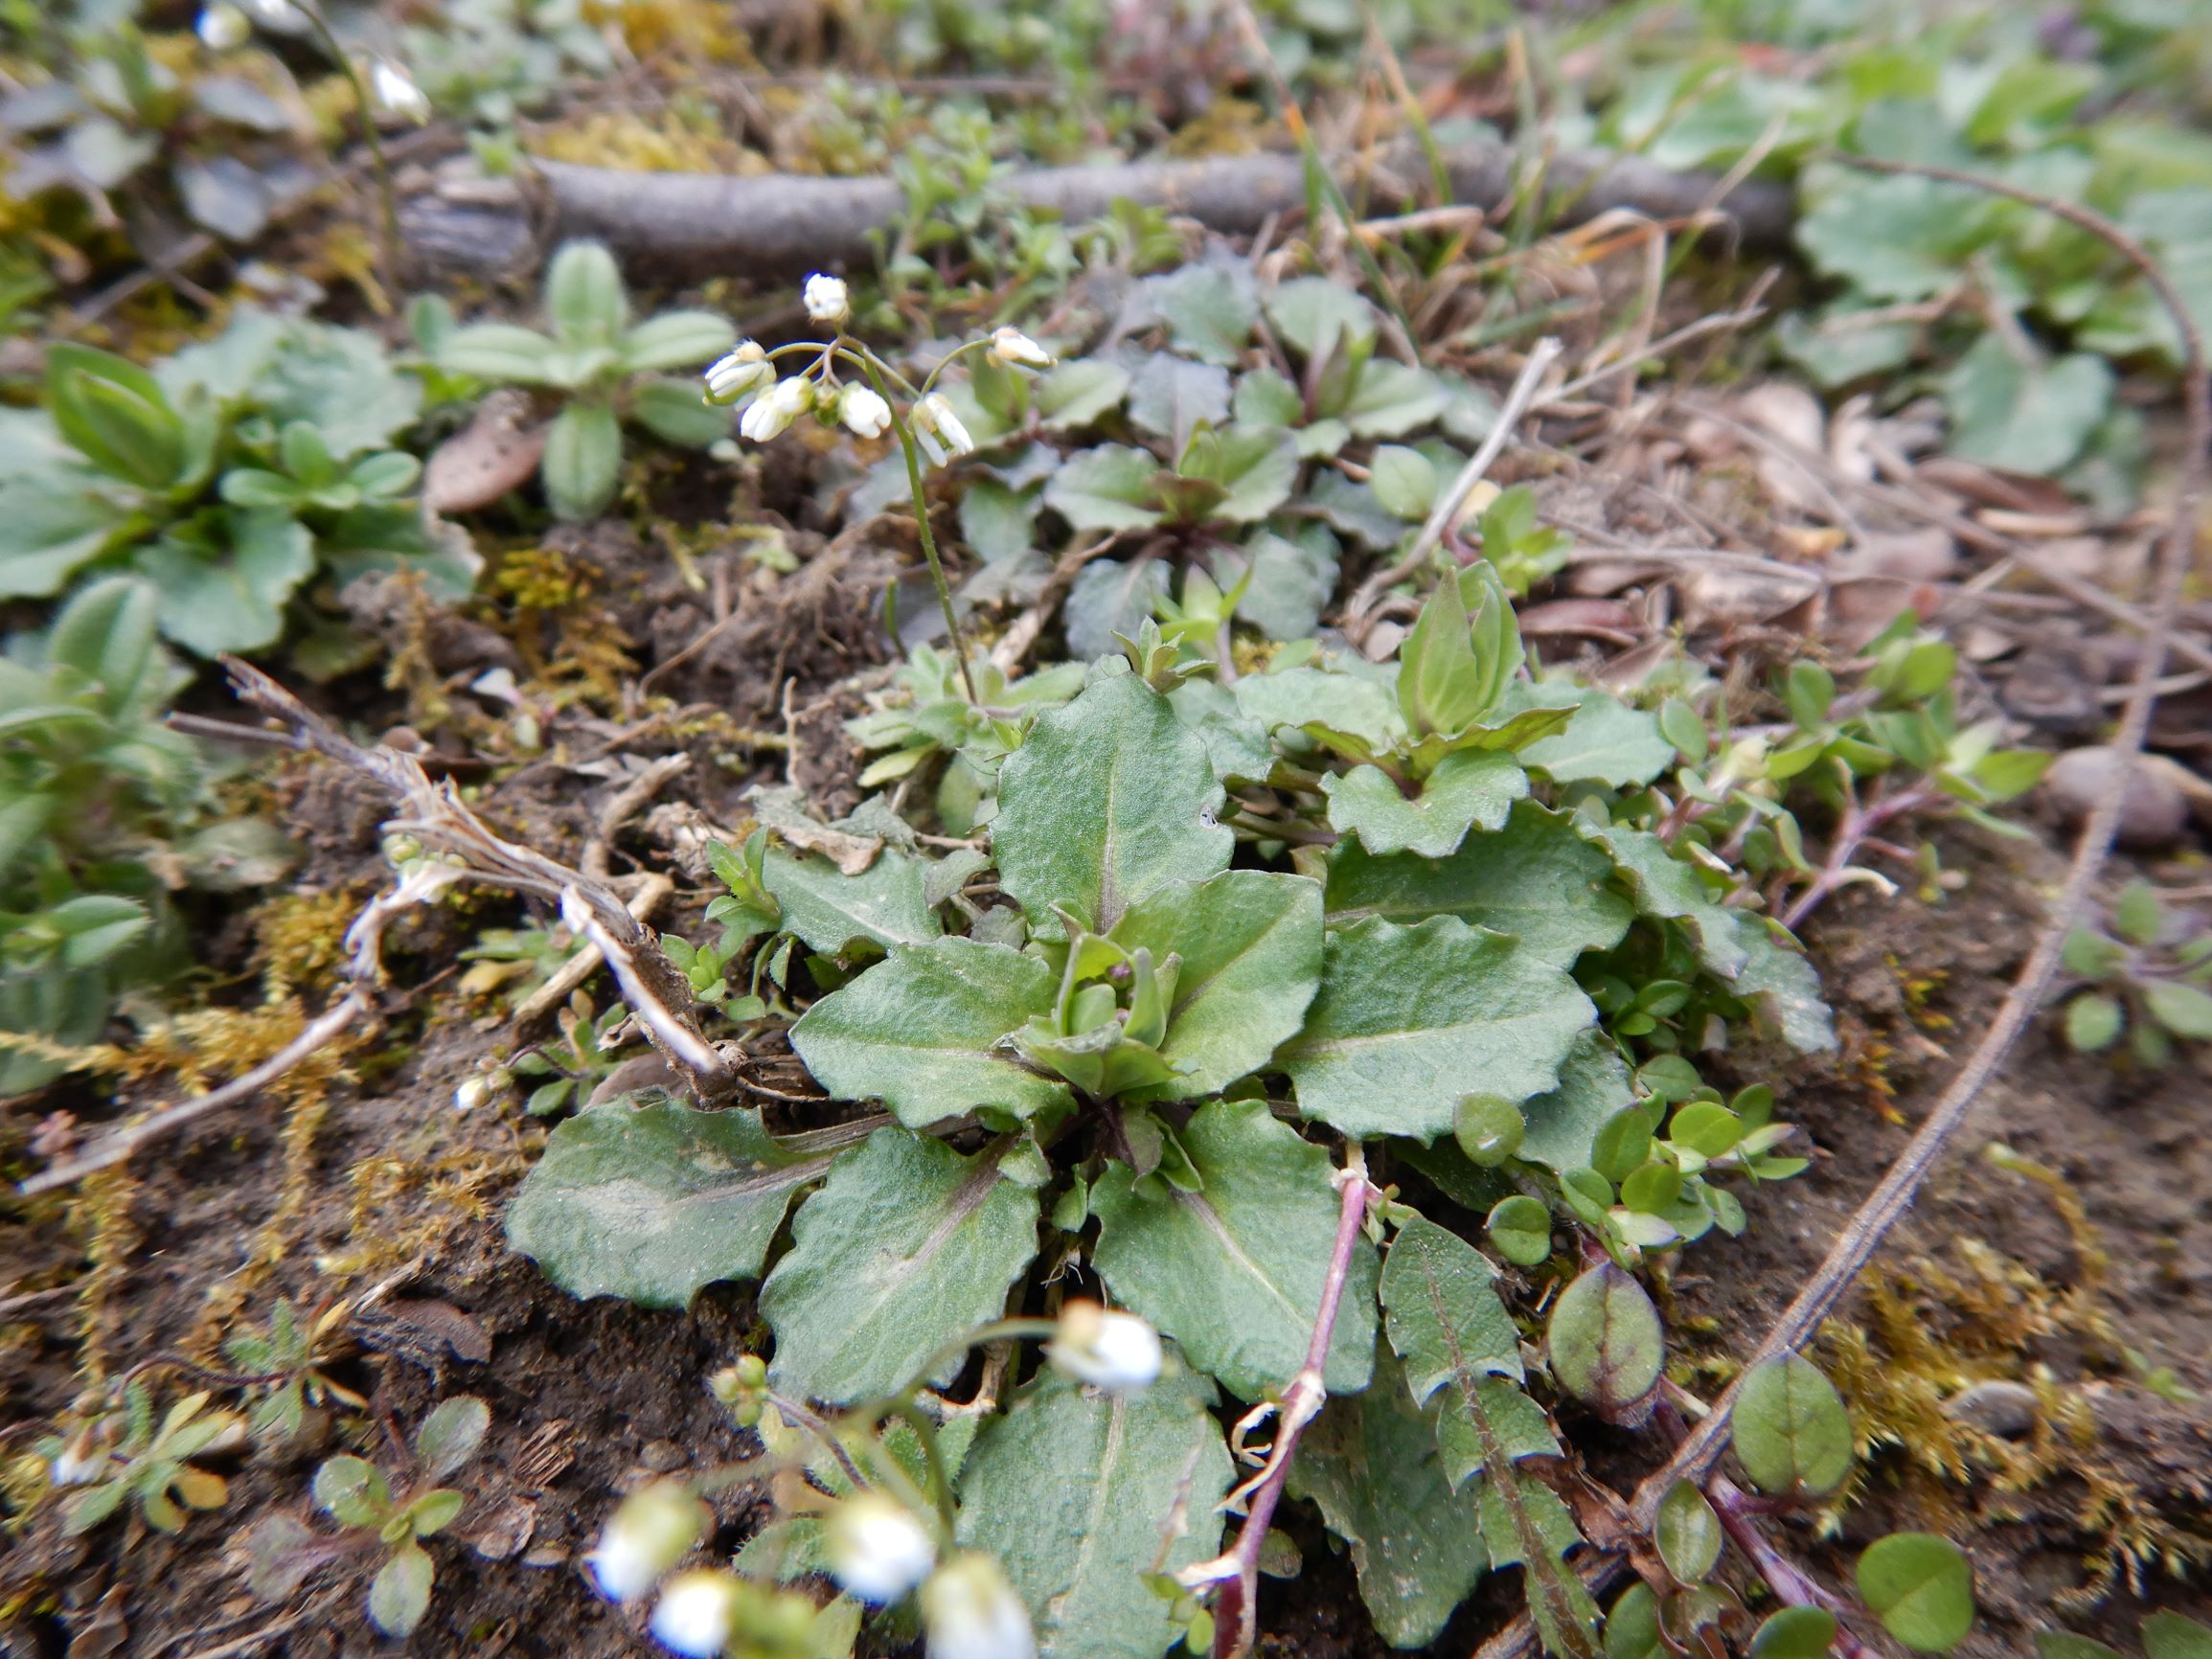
x=749, y=373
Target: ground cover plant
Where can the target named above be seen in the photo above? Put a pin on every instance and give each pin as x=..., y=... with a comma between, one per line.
x=1167, y=841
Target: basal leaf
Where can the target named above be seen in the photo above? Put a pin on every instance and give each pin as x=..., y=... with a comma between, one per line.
x=1291, y=581
x=1073, y=1491
x=1109, y=487
x=1250, y=944
x=1299, y=697
x=1372, y=1465
x=1076, y=392
x=1208, y=310
x=1562, y=1126
x=1392, y=398
x=1409, y=1019
x=230, y=597
x=885, y=904
x=1234, y=1272
x=1259, y=466
x=1171, y=395
x=2024, y=415
x=1470, y=789
x=1535, y=878
x=1606, y=1345
x=907, y=1246
x=651, y=1202
x=1108, y=799
x=919, y=1033
x=1605, y=743
x=1110, y=596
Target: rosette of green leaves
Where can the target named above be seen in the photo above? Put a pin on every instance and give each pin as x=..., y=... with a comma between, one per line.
x=602, y=367
x=2153, y=981
x=227, y=478
x=925, y=714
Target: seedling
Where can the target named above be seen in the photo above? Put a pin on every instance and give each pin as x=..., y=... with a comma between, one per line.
x=2147, y=979
x=127, y=1456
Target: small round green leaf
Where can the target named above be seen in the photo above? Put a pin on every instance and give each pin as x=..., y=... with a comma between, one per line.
x=583, y=460
x=400, y=1593
x=450, y=1435
x=1794, y=1633
x=1632, y=1626
x=1622, y=1142
x=1652, y=1189
x=1792, y=1432
x=2181, y=1009
x=2094, y=1022
x=1683, y=726
x=1488, y=1128
x=1921, y=1587
x=1688, y=1532
x=1520, y=1227
x=1705, y=1126
x=1606, y=1344
x=2137, y=914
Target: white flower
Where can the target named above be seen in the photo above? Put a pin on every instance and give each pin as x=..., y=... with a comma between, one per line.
x=696, y=1614
x=647, y=1535
x=223, y=26
x=1116, y=1352
x=81, y=1462
x=877, y=1551
x=777, y=408
x=275, y=13
x=397, y=92
x=1011, y=347
x=828, y=300
x=864, y=412
x=935, y=415
x=971, y=1612
x=471, y=1094
x=741, y=370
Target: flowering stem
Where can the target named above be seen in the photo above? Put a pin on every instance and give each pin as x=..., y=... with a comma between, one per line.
x=321, y=25
x=1238, y=1572
x=913, y=455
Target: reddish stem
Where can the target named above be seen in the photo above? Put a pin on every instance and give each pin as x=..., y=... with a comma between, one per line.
x=1235, y=1607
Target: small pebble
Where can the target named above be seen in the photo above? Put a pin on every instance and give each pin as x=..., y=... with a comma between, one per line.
x=2007, y=1410
x=2153, y=812
x=662, y=1455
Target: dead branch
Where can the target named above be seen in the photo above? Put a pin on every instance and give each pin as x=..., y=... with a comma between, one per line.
x=435, y=814
x=686, y=226
x=1889, y=1201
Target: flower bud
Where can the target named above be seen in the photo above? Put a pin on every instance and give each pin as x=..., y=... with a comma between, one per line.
x=1109, y=1349
x=697, y=1614
x=1013, y=348
x=651, y=1531
x=934, y=415
x=828, y=300
x=866, y=413
x=223, y=27
x=777, y=408
x=743, y=369
x=876, y=1549
x=971, y=1612
x=743, y=1388
x=82, y=1461
x=397, y=92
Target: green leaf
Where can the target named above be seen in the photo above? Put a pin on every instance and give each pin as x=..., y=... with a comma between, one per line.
x=583, y=295
x=1461, y=1352
x=1604, y=1341
x=2066, y=1645
x=47, y=530
x=1109, y=487
x=1632, y=1626
x=651, y=1202
x=1072, y=1491
x=352, y=1491
x=1250, y=944
x=1390, y=399
x=1263, y=397
x=1605, y=743
x=107, y=633
x=1921, y=1587
x=998, y=523
x=1489, y=1129
x=1791, y=1434
x=2181, y=1009
x=450, y=1435
x=1372, y=1465
x=499, y=351
x=1291, y=580
x=1407, y=1016
x=399, y=1594
x=676, y=340
x=1110, y=597
x=212, y=604
x=1441, y=687
x=918, y=1032
x=1470, y=789
x=673, y=412
x=1108, y=799
x=1074, y=394
x=1520, y=1227
x=433, y=1511
x=906, y=1248
x=583, y=460
x=1534, y=879
x=1404, y=479
x=1258, y=467
x=115, y=414
x=1313, y=312
x=885, y=904
x=1171, y=396
x=1797, y=1633
x=2028, y=417
x=2171, y=1636
x=1208, y=312
x=1893, y=239
x=1234, y=1271
x=1304, y=698
x=1687, y=1533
